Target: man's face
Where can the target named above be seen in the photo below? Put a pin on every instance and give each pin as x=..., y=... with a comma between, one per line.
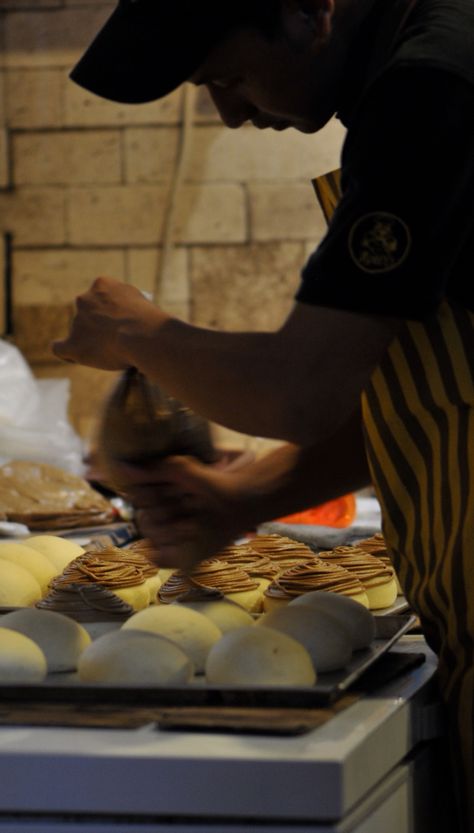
x=271, y=82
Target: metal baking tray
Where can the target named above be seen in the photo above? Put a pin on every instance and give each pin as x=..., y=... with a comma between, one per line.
x=66, y=688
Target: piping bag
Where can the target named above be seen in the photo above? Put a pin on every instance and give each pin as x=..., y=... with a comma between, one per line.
x=141, y=422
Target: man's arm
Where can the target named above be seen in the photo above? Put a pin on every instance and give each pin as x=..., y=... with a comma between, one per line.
x=192, y=511
x=292, y=477
x=298, y=384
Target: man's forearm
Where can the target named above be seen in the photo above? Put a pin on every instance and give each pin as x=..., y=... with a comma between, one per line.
x=292, y=478
x=231, y=378
x=297, y=384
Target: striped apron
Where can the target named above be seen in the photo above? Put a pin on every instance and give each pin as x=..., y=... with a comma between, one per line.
x=418, y=413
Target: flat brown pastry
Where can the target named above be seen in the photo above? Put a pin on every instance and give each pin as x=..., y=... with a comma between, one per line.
x=46, y=497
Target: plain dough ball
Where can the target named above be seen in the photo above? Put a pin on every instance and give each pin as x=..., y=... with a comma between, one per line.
x=58, y=550
x=359, y=621
x=225, y=614
x=18, y=587
x=134, y=657
x=61, y=639
x=328, y=643
x=21, y=660
x=259, y=656
x=192, y=631
x=30, y=559
x=96, y=629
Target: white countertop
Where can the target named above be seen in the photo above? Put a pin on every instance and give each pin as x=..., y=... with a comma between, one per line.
x=320, y=774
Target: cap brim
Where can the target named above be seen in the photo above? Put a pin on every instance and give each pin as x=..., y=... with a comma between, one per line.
x=141, y=55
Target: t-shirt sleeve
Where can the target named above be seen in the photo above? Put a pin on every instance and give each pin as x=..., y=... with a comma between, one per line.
x=398, y=239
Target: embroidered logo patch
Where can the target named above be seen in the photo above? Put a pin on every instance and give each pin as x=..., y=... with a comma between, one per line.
x=379, y=242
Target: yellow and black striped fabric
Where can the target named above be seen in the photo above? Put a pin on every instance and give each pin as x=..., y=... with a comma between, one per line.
x=419, y=421
x=418, y=413
x=328, y=192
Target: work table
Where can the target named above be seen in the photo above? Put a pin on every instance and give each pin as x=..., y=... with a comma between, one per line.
x=333, y=778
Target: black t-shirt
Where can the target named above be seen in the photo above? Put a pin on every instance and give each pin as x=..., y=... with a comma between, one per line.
x=402, y=237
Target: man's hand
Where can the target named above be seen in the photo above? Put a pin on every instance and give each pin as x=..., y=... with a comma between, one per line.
x=191, y=511
x=187, y=509
x=108, y=316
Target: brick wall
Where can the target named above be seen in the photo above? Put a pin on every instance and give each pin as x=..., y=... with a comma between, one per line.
x=84, y=186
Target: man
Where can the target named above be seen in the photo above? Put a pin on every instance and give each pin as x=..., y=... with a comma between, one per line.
x=371, y=377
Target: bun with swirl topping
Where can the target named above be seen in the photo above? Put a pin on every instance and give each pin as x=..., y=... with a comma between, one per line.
x=283, y=552
x=218, y=579
x=99, y=580
x=377, y=546
x=312, y=575
x=254, y=563
x=378, y=579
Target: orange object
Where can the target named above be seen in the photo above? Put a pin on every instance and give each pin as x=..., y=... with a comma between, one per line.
x=338, y=513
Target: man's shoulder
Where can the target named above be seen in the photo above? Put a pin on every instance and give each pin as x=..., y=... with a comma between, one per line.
x=438, y=35
x=412, y=35
x=428, y=59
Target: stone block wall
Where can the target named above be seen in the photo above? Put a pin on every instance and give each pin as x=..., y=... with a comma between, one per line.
x=84, y=187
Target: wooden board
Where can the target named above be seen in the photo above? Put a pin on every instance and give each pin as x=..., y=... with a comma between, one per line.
x=271, y=720
x=207, y=719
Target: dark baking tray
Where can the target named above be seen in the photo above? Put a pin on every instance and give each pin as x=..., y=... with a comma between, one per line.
x=63, y=688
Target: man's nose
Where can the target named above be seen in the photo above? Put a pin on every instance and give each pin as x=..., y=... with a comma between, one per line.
x=233, y=110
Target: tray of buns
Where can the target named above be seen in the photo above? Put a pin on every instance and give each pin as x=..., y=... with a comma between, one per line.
x=263, y=624
x=67, y=687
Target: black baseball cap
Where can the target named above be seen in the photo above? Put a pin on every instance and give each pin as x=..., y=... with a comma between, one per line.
x=147, y=48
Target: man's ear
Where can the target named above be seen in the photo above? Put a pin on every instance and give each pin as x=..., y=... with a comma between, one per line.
x=306, y=21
